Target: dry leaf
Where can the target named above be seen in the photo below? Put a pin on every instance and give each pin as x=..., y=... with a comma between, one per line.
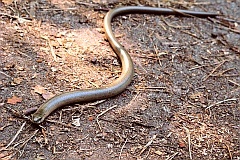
x=14, y=100
x=5, y=156
x=159, y=153
x=90, y=118
x=76, y=122
x=1, y=104
x=196, y=95
x=7, y=2
x=48, y=95
x=40, y=157
x=39, y=89
x=182, y=144
x=17, y=80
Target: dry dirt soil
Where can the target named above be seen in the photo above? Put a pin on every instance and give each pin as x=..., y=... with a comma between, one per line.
x=183, y=102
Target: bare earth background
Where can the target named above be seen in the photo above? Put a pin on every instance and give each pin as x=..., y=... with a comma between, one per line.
x=183, y=102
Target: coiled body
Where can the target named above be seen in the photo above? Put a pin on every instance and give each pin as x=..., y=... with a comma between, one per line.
x=124, y=79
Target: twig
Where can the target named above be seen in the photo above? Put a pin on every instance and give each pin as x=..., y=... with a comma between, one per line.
x=173, y=26
x=35, y=132
x=228, y=29
x=230, y=20
x=148, y=144
x=145, y=157
x=94, y=84
x=97, y=102
x=64, y=124
x=20, y=20
x=227, y=75
x=114, y=121
x=191, y=3
x=184, y=14
x=29, y=111
x=154, y=89
x=214, y=70
x=45, y=136
x=51, y=47
x=17, y=113
x=52, y=50
x=23, y=54
x=122, y=148
x=5, y=74
x=191, y=34
x=222, y=72
x=88, y=4
x=223, y=25
x=171, y=157
x=178, y=27
x=230, y=154
x=58, y=9
x=203, y=65
x=103, y=114
x=156, y=52
x=226, y=100
x=6, y=125
x=231, y=81
x=18, y=132
x=189, y=142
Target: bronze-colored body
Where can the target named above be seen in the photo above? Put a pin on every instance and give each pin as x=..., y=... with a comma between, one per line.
x=120, y=84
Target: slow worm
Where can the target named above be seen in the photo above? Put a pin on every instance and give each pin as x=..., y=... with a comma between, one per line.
x=120, y=84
